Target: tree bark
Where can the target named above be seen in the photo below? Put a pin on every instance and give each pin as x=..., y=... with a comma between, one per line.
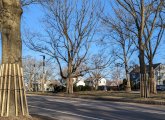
x=143, y=86
x=128, y=86
x=152, y=82
x=69, y=87
x=143, y=75
x=11, y=36
x=13, y=96
x=30, y=83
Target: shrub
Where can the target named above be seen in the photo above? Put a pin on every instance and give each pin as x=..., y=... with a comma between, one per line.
x=82, y=88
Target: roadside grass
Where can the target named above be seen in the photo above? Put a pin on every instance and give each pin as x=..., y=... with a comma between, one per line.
x=32, y=117
x=134, y=95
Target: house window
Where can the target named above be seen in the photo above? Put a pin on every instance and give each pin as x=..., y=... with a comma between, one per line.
x=163, y=82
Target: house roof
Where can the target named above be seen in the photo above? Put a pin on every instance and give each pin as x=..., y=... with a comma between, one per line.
x=93, y=78
x=137, y=68
x=114, y=82
x=53, y=82
x=155, y=65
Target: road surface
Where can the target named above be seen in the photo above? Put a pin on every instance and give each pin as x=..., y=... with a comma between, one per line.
x=61, y=108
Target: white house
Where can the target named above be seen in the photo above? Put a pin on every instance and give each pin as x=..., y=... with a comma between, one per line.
x=50, y=84
x=160, y=74
x=102, y=82
x=79, y=81
x=99, y=82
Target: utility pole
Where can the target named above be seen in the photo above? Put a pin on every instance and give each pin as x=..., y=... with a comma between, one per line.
x=118, y=74
x=43, y=75
x=34, y=73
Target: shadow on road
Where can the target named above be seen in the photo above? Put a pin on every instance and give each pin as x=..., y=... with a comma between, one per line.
x=81, y=109
x=41, y=117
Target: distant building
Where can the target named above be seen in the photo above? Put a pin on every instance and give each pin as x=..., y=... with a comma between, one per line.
x=114, y=83
x=159, y=70
x=93, y=81
x=51, y=84
x=79, y=81
x=102, y=82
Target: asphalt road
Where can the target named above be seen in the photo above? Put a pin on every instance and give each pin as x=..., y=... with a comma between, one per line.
x=62, y=108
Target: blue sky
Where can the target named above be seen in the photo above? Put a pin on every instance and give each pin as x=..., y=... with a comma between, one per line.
x=32, y=20
x=32, y=17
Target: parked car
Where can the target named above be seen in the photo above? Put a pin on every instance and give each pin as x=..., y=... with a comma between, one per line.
x=160, y=87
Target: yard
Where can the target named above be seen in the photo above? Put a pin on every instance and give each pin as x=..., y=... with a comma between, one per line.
x=113, y=96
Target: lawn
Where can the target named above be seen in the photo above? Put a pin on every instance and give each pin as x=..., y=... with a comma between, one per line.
x=134, y=95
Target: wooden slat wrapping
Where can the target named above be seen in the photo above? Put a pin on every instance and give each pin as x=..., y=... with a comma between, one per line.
x=9, y=85
x=20, y=87
x=4, y=91
x=11, y=78
x=26, y=105
x=15, y=87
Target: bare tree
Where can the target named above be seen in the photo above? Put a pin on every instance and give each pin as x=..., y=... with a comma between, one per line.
x=154, y=34
x=28, y=65
x=33, y=71
x=10, y=22
x=98, y=67
x=29, y=2
x=72, y=26
x=121, y=38
x=144, y=15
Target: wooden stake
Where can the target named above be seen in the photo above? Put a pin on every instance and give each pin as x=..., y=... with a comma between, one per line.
x=24, y=92
x=1, y=82
x=9, y=82
x=15, y=87
x=20, y=86
x=0, y=85
x=4, y=91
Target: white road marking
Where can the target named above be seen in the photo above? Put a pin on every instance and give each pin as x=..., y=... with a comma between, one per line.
x=52, y=110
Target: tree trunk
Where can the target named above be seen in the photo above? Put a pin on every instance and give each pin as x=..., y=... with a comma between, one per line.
x=69, y=87
x=11, y=37
x=30, y=83
x=140, y=28
x=128, y=87
x=152, y=81
x=143, y=76
x=13, y=97
x=96, y=85
x=142, y=72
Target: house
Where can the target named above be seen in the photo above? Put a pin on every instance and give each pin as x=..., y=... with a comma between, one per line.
x=51, y=84
x=102, y=82
x=79, y=81
x=93, y=82
x=114, y=83
x=159, y=74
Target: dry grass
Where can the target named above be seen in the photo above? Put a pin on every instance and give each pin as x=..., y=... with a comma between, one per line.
x=17, y=118
x=34, y=117
x=119, y=94
x=135, y=95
